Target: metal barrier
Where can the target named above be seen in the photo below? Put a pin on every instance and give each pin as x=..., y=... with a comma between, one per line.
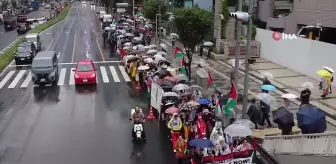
x=321, y=144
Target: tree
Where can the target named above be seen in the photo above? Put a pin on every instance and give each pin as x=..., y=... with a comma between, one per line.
x=225, y=13
x=192, y=24
x=109, y=4
x=14, y=5
x=151, y=8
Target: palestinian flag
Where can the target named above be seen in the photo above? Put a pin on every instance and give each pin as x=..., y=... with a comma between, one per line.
x=118, y=53
x=178, y=53
x=232, y=102
x=210, y=82
x=183, y=68
x=114, y=22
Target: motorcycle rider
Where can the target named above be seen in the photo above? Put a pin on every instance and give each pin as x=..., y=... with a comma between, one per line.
x=138, y=118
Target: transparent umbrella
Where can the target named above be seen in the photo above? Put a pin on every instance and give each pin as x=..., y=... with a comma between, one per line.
x=180, y=87
x=238, y=130
x=181, y=77
x=152, y=46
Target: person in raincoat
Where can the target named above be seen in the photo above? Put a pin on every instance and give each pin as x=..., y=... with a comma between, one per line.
x=201, y=128
x=175, y=125
x=180, y=149
x=325, y=85
x=253, y=113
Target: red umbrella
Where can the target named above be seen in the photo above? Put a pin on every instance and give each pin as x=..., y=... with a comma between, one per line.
x=172, y=110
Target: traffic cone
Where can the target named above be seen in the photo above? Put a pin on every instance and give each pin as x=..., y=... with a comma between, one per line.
x=138, y=87
x=151, y=115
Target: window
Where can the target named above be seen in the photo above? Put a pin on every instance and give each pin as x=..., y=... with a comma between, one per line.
x=24, y=49
x=84, y=68
x=42, y=63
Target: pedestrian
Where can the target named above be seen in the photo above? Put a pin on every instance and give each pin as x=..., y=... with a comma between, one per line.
x=173, y=41
x=305, y=96
x=325, y=85
x=265, y=109
x=201, y=48
x=209, y=52
x=175, y=125
x=105, y=35
x=253, y=113
x=286, y=129
x=266, y=81
x=180, y=148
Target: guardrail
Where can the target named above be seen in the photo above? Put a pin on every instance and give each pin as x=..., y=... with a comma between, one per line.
x=320, y=144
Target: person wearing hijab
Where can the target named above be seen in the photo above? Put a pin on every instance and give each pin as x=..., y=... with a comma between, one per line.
x=175, y=125
x=305, y=96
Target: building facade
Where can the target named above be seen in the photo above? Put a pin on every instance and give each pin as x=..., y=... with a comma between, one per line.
x=290, y=17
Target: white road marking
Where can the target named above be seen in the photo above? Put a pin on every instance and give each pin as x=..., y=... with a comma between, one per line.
x=114, y=74
x=27, y=80
x=124, y=74
x=61, y=77
x=72, y=77
x=84, y=32
x=6, y=78
x=104, y=74
x=17, y=79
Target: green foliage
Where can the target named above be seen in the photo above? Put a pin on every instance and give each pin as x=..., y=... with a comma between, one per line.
x=151, y=8
x=193, y=25
x=109, y=3
x=244, y=7
x=8, y=55
x=225, y=13
x=254, y=32
x=232, y=2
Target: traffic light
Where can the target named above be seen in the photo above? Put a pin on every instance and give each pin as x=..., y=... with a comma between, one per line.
x=242, y=16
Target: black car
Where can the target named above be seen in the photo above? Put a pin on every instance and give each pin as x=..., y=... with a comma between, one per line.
x=21, y=18
x=10, y=24
x=25, y=53
x=22, y=28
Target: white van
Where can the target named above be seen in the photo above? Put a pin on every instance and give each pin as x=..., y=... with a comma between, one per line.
x=101, y=15
x=107, y=18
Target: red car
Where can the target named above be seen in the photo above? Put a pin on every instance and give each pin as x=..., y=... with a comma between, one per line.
x=85, y=72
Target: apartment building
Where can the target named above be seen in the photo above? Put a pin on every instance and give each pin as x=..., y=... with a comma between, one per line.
x=289, y=17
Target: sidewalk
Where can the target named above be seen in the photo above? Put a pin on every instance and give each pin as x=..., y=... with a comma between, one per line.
x=285, y=80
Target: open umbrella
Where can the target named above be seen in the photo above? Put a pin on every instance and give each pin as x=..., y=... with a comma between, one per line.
x=208, y=44
x=107, y=28
x=324, y=72
x=158, y=59
x=157, y=56
x=162, y=73
x=174, y=35
x=180, y=87
x=308, y=85
x=149, y=60
x=170, y=94
x=143, y=68
x=181, y=77
x=283, y=117
x=266, y=98
x=195, y=87
x=162, y=53
x=172, y=110
x=146, y=47
x=203, y=101
x=127, y=48
x=201, y=143
x=186, y=107
x=193, y=103
x=166, y=83
x=120, y=36
x=129, y=34
x=311, y=119
x=267, y=75
x=289, y=96
x=137, y=38
x=268, y=87
x=152, y=46
x=122, y=31
x=328, y=69
x=164, y=47
x=152, y=52
x=128, y=44
x=131, y=58
x=238, y=130
x=245, y=122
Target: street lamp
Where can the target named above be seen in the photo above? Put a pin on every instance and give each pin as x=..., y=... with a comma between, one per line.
x=156, y=28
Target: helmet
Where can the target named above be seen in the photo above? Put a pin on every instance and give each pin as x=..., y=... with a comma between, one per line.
x=137, y=109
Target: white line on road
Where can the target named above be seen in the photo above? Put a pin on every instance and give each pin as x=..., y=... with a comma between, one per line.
x=114, y=74
x=104, y=74
x=62, y=77
x=6, y=78
x=27, y=80
x=17, y=79
x=84, y=31
x=124, y=74
x=72, y=77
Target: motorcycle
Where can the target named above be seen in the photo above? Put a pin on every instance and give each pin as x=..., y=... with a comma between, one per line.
x=137, y=132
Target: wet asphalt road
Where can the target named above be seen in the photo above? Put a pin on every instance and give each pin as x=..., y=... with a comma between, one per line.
x=7, y=37
x=75, y=125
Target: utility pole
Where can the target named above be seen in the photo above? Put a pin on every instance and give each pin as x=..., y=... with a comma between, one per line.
x=217, y=24
x=247, y=66
x=238, y=37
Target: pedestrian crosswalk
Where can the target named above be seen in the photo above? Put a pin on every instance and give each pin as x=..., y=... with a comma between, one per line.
x=105, y=74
